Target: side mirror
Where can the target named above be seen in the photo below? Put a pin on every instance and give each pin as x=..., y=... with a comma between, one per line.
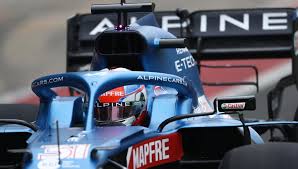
x=170, y=42
x=232, y=104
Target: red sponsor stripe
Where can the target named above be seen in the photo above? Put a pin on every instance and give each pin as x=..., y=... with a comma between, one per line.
x=86, y=150
x=155, y=151
x=112, y=96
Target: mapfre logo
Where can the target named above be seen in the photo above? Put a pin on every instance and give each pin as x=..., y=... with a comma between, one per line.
x=112, y=96
x=232, y=106
x=155, y=151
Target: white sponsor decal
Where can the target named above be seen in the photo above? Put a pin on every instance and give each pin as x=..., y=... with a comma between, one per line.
x=54, y=164
x=150, y=152
x=47, y=81
x=118, y=104
x=167, y=22
x=67, y=151
x=185, y=63
x=48, y=164
x=270, y=21
x=231, y=106
x=103, y=25
x=70, y=164
x=275, y=21
x=113, y=93
x=181, y=50
x=164, y=79
x=225, y=18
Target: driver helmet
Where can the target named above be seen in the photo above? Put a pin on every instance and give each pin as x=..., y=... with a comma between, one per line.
x=125, y=104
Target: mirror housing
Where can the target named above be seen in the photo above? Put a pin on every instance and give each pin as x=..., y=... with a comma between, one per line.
x=232, y=104
x=170, y=42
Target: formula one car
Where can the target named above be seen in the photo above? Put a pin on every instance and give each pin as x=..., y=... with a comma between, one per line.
x=181, y=131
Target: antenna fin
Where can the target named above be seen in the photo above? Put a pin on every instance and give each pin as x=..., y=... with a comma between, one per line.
x=58, y=142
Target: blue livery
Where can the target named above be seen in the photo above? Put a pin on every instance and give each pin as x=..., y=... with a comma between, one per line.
x=179, y=133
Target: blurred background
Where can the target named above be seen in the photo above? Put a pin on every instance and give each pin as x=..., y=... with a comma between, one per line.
x=33, y=44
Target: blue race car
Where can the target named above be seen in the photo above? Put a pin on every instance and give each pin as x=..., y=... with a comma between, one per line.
x=171, y=124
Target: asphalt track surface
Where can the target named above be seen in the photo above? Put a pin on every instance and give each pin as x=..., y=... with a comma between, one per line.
x=33, y=43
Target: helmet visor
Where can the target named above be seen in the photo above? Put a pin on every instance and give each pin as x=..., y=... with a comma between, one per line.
x=117, y=111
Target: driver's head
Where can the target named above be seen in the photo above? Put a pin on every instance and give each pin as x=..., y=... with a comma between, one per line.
x=123, y=104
